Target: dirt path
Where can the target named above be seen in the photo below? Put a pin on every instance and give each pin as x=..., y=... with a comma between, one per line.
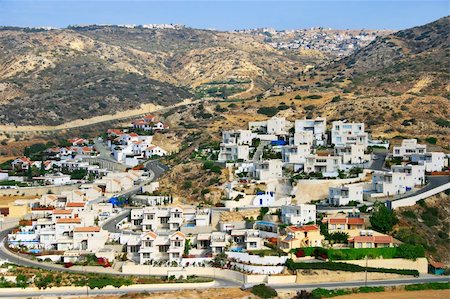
x=144, y=109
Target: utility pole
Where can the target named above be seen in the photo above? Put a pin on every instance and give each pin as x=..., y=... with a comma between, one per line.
x=365, y=283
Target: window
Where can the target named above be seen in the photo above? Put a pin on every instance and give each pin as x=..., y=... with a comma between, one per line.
x=252, y=245
x=164, y=220
x=148, y=243
x=177, y=244
x=163, y=248
x=175, y=255
x=150, y=216
x=146, y=255
x=133, y=249
x=177, y=215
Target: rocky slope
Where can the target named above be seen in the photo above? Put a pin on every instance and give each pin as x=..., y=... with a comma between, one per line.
x=414, y=60
x=50, y=77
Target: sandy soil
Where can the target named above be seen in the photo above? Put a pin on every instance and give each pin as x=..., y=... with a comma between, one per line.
x=429, y=294
x=4, y=200
x=188, y=294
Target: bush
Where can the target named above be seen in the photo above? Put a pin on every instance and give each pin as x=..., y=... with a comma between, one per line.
x=263, y=291
x=314, y=97
x=442, y=123
x=431, y=140
x=298, y=97
x=428, y=286
x=291, y=265
x=324, y=293
x=268, y=111
x=370, y=289
x=411, y=252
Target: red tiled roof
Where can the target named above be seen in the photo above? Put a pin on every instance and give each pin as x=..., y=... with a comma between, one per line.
x=305, y=228
x=373, y=239
x=69, y=220
x=345, y=221
x=133, y=134
x=355, y=221
x=75, y=204
x=151, y=234
x=87, y=229
x=437, y=264
x=65, y=212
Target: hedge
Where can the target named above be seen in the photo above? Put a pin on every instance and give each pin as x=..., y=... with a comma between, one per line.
x=406, y=251
x=428, y=286
x=332, y=266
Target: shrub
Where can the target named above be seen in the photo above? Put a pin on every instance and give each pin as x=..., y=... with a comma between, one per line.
x=298, y=97
x=263, y=291
x=428, y=286
x=370, y=289
x=268, y=111
x=314, y=97
x=431, y=140
x=290, y=264
x=310, y=107
x=411, y=252
x=324, y=293
x=409, y=214
x=442, y=122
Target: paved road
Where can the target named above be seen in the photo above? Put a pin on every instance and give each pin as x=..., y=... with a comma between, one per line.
x=378, y=164
x=104, y=152
x=110, y=225
x=433, y=182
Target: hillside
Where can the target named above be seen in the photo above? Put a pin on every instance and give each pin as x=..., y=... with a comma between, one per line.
x=414, y=60
x=51, y=77
x=427, y=223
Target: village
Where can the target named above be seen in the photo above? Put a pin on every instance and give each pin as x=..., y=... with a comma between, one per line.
x=298, y=194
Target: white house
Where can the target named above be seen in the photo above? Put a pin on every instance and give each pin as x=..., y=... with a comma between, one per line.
x=317, y=127
x=352, y=154
x=275, y=126
x=239, y=137
x=298, y=214
x=327, y=165
x=157, y=247
x=268, y=170
x=264, y=199
x=342, y=195
x=408, y=148
x=233, y=152
x=235, y=145
x=399, y=180
x=344, y=133
x=296, y=155
x=433, y=161
x=90, y=238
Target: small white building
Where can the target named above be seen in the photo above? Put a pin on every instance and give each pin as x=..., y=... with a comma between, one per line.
x=298, y=214
x=317, y=127
x=433, y=161
x=352, y=154
x=233, y=152
x=399, y=180
x=408, y=148
x=328, y=165
x=344, y=133
x=268, y=170
x=341, y=196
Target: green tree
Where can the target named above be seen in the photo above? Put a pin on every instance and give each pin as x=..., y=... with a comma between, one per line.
x=382, y=219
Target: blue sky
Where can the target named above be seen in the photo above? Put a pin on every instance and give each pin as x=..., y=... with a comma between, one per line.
x=225, y=15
